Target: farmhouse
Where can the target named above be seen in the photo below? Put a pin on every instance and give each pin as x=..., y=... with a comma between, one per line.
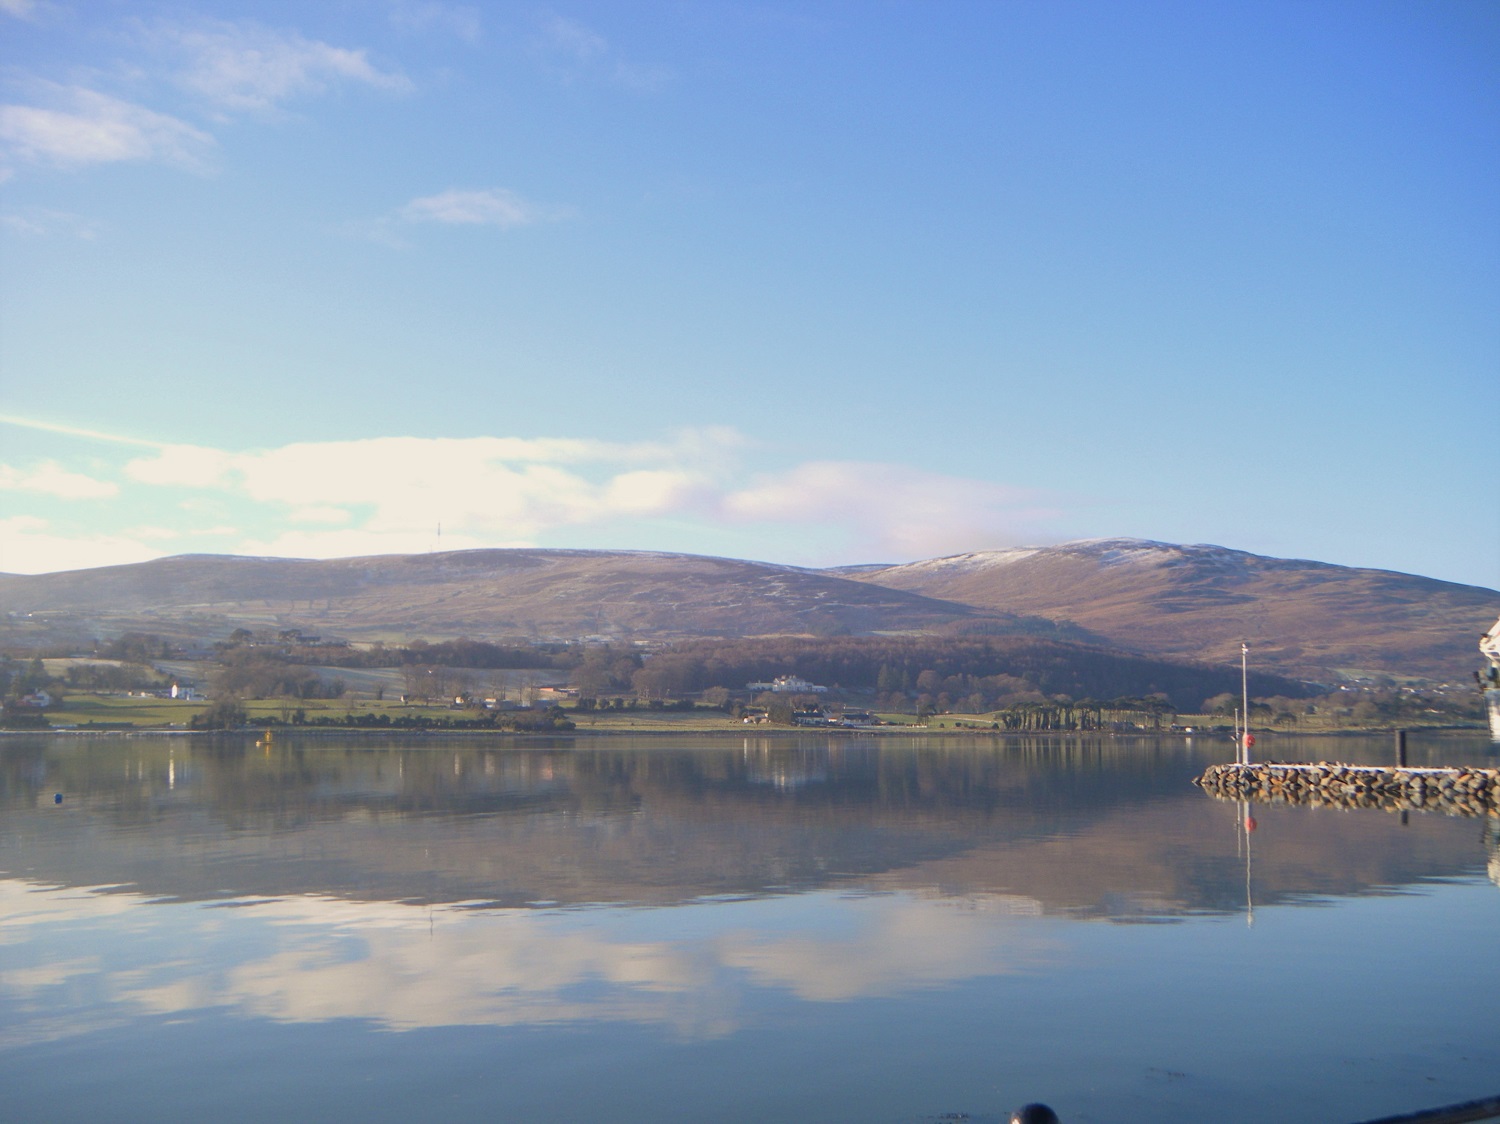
x=788, y=685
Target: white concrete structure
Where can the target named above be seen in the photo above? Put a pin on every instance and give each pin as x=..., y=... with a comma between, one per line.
x=1489, y=645
x=788, y=685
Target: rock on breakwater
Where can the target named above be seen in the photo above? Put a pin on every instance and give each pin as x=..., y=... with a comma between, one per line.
x=1455, y=792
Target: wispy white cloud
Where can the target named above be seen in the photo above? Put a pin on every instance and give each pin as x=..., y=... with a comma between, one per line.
x=42, y=222
x=66, y=430
x=389, y=495
x=495, y=206
x=31, y=545
x=324, y=513
x=249, y=67
x=191, y=465
x=490, y=207
x=894, y=509
x=483, y=490
x=50, y=479
x=573, y=39
x=454, y=19
x=575, y=51
x=228, y=67
x=82, y=126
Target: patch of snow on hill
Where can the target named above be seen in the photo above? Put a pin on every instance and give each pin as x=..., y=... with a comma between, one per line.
x=1148, y=552
x=1106, y=552
x=1125, y=552
x=967, y=563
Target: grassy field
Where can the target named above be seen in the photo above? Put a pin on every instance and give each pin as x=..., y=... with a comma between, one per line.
x=79, y=709
x=648, y=722
x=85, y=710
x=112, y=711
x=102, y=711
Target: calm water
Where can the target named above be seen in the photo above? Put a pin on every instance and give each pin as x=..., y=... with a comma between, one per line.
x=774, y=929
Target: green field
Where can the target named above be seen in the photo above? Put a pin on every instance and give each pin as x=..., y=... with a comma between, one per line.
x=85, y=710
x=113, y=711
x=109, y=711
x=118, y=710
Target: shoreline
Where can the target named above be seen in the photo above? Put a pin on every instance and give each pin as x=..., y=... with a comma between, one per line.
x=759, y=730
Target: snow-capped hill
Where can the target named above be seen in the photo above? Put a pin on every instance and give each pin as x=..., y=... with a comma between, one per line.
x=1101, y=552
x=1105, y=552
x=1201, y=601
x=1147, y=552
x=953, y=563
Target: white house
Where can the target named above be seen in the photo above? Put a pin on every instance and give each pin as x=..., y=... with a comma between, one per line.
x=788, y=685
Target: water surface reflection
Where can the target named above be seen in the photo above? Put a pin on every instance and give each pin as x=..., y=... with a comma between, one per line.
x=766, y=929
x=1097, y=827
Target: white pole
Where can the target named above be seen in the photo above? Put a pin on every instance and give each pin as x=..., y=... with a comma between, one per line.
x=1245, y=691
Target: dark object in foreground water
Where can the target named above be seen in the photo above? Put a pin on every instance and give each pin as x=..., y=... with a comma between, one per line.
x=57, y=798
x=1033, y=1114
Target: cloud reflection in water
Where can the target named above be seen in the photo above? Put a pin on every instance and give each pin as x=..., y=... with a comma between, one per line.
x=403, y=966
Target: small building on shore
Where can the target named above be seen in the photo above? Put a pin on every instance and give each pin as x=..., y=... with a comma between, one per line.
x=789, y=685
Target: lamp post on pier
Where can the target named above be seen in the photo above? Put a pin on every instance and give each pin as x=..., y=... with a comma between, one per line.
x=1245, y=742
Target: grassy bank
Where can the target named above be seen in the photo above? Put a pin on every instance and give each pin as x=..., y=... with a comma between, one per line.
x=86, y=711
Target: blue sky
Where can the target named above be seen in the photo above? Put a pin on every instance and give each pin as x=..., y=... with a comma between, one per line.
x=805, y=282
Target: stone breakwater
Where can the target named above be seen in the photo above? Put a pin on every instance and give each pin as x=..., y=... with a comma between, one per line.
x=1455, y=792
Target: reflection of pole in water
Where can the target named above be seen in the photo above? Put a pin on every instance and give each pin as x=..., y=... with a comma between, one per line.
x=1247, y=822
x=1239, y=830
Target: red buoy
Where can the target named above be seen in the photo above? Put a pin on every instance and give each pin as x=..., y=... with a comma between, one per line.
x=1249, y=739
x=1249, y=823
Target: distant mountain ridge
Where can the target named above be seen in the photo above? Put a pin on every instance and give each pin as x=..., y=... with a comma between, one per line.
x=1303, y=618
x=1299, y=616
x=537, y=594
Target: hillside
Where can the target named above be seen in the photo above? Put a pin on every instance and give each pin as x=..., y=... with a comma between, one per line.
x=1198, y=602
x=481, y=594
x=1301, y=618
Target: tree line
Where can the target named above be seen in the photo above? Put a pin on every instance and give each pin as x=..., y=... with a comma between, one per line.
x=948, y=673
x=943, y=673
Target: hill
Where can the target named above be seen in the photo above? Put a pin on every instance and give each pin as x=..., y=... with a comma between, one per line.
x=1299, y=617
x=1195, y=603
x=481, y=594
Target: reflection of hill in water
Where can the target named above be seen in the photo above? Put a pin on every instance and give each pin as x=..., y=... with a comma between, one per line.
x=1091, y=826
